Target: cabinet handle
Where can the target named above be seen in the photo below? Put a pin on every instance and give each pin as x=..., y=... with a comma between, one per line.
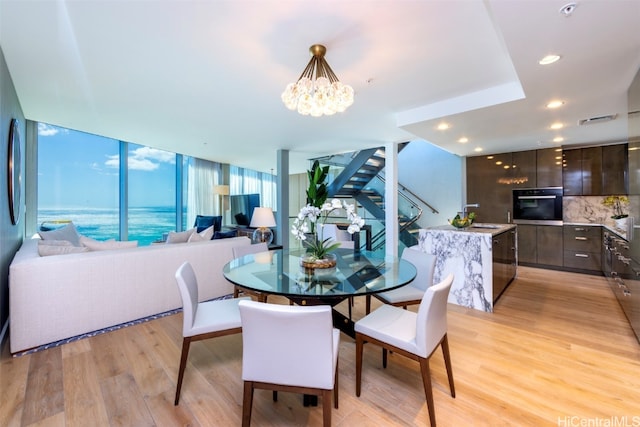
x=581, y=238
x=581, y=229
x=582, y=255
x=626, y=293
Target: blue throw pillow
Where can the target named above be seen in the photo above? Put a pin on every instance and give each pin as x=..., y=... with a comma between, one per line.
x=224, y=234
x=203, y=222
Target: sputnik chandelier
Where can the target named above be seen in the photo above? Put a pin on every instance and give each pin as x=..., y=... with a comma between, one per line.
x=318, y=90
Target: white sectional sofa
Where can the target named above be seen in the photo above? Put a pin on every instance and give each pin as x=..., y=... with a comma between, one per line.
x=56, y=297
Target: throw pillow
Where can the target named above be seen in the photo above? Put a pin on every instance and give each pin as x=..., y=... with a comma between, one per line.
x=68, y=232
x=204, y=221
x=180, y=236
x=195, y=237
x=58, y=247
x=207, y=234
x=224, y=234
x=97, y=245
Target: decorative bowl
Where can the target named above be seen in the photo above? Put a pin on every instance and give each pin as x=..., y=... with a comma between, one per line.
x=463, y=222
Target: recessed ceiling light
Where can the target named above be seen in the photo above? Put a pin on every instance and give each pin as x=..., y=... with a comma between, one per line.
x=490, y=157
x=568, y=9
x=549, y=59
x=498, y=162
x=556, y=126
x=443, y=126
x=558, y=139
x=555, y=104
x=463, y=140
x=477, y=149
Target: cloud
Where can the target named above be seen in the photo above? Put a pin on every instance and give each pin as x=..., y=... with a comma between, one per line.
x=48, y=130
x=143, y=159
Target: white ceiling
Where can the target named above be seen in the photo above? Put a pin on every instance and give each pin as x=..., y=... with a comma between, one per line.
x=204, y=78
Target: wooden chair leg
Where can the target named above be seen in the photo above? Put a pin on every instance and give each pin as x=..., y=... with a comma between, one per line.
x=384, y=358
x=447, y=363
x=428, y=392
x=359, y=348
x=186, y=342
x=336, y=387
x=274, y=395
x=247, y=403
x=326, y=408
x=236, y=292
x=368, y=304
x=350, y=302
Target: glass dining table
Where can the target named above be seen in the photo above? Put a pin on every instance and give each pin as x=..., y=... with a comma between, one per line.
x=278, y=272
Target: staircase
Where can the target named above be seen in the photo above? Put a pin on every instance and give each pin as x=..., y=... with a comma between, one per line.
x=361, y=180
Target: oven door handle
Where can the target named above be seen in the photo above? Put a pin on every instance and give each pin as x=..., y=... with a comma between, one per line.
x=536, y=197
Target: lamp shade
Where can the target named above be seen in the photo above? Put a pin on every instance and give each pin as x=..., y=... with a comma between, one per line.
x=221, y=190
x=262, y=217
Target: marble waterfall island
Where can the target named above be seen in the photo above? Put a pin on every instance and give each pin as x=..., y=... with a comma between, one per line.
x=469, y=254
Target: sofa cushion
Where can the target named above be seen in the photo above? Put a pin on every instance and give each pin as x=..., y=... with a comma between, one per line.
x=106, y=245
x=180, y=236
x=203, y=222
x=225, y=234
x=68, y=233
x=58, y=247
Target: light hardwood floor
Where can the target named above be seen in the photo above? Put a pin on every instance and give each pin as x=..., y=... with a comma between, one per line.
x=557, y=351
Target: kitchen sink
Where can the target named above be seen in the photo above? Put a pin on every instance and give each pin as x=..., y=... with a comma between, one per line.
x=488, y=226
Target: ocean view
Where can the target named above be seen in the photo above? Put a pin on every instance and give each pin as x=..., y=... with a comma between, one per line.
x=145, y=224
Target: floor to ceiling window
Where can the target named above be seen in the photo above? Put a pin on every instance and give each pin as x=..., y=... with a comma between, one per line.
x=151, y=193
x=81, y=179
x=78, y=181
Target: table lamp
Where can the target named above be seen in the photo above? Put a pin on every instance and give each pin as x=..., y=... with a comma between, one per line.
x=262, y=218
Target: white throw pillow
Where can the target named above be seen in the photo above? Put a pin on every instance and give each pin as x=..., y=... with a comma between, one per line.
x=97, y=245
x=195, y=237
x=58, y=247
x=68, y=232
x=180, y=237
x=206, y=234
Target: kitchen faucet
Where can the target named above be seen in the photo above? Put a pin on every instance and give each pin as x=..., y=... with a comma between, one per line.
x=470, y=205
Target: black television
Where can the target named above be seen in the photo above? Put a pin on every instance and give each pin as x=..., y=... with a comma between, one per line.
x=241, y=207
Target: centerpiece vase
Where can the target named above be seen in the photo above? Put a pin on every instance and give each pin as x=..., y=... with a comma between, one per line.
x=310, y=262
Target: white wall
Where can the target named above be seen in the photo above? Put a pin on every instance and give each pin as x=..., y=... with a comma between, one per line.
x=436, y=176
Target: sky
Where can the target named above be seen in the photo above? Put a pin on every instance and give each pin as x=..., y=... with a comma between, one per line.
x=80, y=170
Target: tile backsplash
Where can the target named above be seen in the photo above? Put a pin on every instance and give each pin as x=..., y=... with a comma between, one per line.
x=589, y=209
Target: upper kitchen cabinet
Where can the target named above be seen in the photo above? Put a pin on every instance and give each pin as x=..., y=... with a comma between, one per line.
x=595, y=171
x=615, y=176
x=490, y=179
x=489, y=183
x=549, y=167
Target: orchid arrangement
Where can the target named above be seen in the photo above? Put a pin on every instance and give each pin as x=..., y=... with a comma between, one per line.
x=304, y=226
x=616, y=202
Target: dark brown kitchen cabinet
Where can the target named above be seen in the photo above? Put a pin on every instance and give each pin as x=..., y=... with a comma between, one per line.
x=615, y=176
x=549, y=167
x=489, y=183
x=572, y=172
x=523, y=169
x=540, y=245
x=595, y=171
x=549, y=242
x=583, y=247
x=504, y=261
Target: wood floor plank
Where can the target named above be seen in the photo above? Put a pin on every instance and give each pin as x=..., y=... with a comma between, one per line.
x=83, y=399
x=124, y=403
x=44, y=395
x=557, y=347
x=13, y=381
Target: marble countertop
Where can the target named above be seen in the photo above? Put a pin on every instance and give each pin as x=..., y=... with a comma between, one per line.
x=478, y=227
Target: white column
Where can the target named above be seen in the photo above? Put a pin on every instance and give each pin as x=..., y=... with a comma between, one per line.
x=391, y=199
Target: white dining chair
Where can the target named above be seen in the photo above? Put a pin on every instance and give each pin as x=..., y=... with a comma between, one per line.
x=202, y=320
x=412, y=293
x=289, y=348
x=331, y=231
x=240, y=251
x=410, y=334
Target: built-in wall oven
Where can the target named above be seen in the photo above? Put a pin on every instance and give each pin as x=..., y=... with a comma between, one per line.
x=541, y=206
